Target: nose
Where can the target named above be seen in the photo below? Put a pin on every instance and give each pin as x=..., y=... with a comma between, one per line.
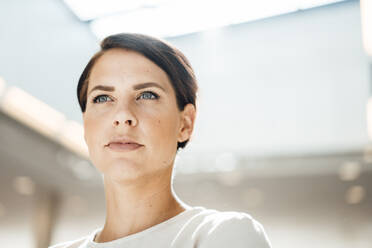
x=125, y=117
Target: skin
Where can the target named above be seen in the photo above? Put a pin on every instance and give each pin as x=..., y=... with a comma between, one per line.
x=137, y=184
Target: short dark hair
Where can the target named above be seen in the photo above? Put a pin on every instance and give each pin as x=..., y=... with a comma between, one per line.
x=167, y=57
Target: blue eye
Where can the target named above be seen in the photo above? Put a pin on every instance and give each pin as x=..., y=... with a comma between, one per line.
x=149, y=96
x=97, y=98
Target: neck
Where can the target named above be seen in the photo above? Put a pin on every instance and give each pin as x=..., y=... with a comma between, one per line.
x=134, y=208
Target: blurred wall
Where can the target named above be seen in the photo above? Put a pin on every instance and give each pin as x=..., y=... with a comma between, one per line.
x=296, y=83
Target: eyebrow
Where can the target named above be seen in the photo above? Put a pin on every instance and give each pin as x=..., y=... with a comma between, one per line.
x=135, y=87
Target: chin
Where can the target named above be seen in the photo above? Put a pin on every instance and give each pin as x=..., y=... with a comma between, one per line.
x=122, y=167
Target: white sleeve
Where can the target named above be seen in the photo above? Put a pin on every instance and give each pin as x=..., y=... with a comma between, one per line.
x=237, y=231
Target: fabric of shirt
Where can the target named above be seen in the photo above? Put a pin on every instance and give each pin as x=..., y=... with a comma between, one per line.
x=196, y=227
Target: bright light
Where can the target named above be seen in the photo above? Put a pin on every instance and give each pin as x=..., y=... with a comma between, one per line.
x=24, y=185
x=365, y=11
x=183, y=17
x=92, y=9
x=32, y=112
x=44, y=119
x=350, y=171
x=2, y=85
x=355, y=194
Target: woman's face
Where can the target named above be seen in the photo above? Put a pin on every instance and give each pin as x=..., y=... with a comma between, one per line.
x=146, y=114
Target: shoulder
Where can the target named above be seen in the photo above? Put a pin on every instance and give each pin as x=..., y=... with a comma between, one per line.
x=70, y=244
x=230, y=228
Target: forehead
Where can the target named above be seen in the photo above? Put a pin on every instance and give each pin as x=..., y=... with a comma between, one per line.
x=119, y=64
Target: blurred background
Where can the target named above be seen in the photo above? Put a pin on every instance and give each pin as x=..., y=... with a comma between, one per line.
x=282, y=129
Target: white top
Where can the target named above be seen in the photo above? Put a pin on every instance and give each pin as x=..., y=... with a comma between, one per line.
x=196, y=227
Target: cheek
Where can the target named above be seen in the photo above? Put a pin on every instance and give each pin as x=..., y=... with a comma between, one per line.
x=163, y=128
x=91, y=130
x=88, y=133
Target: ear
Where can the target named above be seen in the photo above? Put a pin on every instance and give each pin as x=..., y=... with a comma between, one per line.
x=187, y=122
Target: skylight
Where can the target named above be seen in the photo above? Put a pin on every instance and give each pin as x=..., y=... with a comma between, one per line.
x=166, y=18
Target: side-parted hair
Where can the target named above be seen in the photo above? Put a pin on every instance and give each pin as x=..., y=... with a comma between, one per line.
x=171, y=60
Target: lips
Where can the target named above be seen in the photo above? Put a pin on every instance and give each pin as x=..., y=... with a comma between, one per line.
x=124, y=146
x=123, y=141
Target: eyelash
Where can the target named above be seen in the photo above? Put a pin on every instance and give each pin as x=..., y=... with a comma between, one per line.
x=156, y=96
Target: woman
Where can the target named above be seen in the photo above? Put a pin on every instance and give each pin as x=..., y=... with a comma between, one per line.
x=138, y=99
